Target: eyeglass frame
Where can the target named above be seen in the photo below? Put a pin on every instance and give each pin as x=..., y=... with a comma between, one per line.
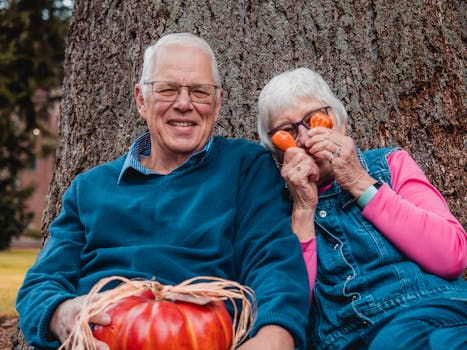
x=179, y=89
x=301, y=122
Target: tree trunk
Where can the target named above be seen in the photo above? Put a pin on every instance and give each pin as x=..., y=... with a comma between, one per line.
x=398, y=67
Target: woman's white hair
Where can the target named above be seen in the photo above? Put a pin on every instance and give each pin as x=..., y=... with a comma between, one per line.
x=283, y=91
x=185, y=39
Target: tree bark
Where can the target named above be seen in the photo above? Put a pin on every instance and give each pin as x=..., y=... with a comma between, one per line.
x=398, y=67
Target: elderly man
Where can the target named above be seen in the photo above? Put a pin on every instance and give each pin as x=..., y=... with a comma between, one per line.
x=181, y=203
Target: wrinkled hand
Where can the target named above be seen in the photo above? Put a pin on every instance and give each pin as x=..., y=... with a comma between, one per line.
x=64, y=319
x=301, y=173
x=271, y=338
x=348, y=172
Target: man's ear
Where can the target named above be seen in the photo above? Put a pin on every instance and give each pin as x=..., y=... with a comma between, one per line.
x=139, y=98
x=219, y=102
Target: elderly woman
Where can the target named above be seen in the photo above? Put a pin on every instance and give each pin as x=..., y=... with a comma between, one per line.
x=383, y=250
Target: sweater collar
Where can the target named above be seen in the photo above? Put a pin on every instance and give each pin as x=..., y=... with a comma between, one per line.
x=142, y=148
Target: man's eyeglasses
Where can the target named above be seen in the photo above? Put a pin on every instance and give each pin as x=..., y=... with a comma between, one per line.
x=169, y=91
x=292, y=128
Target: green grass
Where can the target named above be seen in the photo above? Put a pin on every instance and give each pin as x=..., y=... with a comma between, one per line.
x=13, y=266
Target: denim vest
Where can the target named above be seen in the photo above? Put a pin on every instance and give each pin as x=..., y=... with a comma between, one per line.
x=362, y=279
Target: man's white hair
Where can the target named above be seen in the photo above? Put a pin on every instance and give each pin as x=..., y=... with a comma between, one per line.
x=185, y=39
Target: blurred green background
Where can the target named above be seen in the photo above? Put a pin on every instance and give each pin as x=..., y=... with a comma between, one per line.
x=32, y=46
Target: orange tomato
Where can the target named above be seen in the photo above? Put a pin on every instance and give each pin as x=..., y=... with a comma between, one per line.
x=283, y=140
x=321, y=119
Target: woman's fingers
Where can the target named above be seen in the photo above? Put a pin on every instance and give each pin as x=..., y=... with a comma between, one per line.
x=301, y=173
x=329, y=144
x=298, y=164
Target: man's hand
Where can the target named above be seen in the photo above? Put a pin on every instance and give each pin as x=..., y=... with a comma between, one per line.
x=64, y=319
x=271, y=338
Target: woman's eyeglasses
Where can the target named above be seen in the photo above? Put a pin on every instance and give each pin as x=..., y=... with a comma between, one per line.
x=292, y=128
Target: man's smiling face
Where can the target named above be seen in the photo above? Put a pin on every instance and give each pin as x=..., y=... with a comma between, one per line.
x=180, y=128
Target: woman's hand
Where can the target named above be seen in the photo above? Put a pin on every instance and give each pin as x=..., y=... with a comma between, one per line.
x=336, y=153
x=301, y=174
x=64, y=319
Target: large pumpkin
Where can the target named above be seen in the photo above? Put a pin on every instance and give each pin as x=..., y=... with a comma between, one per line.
x=140, y=322
x=147, y=315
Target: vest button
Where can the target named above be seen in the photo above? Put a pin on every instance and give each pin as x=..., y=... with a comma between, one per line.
x=336, y=246
x=323, y=214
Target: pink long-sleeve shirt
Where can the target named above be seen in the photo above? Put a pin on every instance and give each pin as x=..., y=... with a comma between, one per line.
x=415, y=217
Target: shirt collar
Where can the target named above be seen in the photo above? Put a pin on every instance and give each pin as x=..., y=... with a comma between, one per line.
x=142, y=148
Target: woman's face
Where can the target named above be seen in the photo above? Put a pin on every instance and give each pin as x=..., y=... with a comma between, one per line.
x=294, y=114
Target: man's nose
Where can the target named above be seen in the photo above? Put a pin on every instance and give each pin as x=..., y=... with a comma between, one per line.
x=183, y=101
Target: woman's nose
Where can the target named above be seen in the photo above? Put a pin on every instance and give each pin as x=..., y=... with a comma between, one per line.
x=301, y=135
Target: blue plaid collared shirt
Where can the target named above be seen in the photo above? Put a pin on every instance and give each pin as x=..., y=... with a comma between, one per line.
x=142, y=148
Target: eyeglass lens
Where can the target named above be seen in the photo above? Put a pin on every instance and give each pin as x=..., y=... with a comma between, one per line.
x=199, y=93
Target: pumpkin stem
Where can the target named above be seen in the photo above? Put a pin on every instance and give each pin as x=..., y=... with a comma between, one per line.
x=158, y=290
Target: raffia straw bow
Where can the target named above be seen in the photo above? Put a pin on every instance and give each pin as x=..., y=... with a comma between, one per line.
x=199, y=290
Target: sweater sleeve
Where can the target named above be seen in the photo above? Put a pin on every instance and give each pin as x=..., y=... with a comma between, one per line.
x=268, y=254
x=50, y=281
x=416, y=218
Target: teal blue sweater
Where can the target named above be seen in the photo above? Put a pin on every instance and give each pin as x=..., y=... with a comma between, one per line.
x=222, y=213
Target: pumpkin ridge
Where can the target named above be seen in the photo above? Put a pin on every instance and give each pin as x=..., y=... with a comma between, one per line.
x=188, y=322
